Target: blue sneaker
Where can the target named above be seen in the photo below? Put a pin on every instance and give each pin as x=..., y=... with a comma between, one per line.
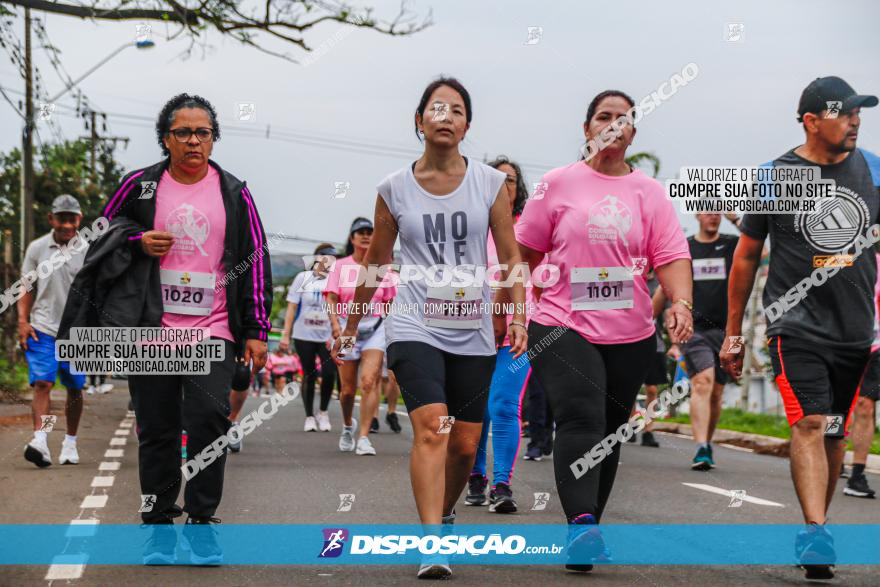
x=585, y=543
x=161, y=544
x=200, y=539
x=703, y=459
x=814, y=549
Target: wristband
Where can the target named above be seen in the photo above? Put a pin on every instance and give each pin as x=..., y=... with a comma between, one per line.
x=685, y=303
x=520, y=324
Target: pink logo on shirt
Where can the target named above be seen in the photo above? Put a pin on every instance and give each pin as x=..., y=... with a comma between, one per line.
x=612, y=219
x=190, y=228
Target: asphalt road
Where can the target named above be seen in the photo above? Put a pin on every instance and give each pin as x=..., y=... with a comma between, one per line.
x=287, y=476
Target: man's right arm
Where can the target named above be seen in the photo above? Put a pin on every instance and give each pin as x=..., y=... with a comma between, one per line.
x=26, y=302
x=746, y=259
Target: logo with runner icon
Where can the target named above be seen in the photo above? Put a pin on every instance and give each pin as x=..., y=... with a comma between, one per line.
x=346, y=502
x=148, y=190
x=542, y=498
x=609, y=221
x=446, y=423
x=47, y=423
x=832, y=108
x=334, y=542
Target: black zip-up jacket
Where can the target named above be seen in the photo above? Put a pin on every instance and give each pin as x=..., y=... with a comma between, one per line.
x=111, y=287
x=246, y=272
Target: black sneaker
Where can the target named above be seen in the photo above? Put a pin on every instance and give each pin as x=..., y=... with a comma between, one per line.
x=844, y=474
x=814, y=549
x=501, y=499
x=547, y=449
x=649, y=440
x=200, y=538
x=476, y=490
x=534, y=453
x=374, y=425
x=160, y=547
x=393, y=422
x=857, y=486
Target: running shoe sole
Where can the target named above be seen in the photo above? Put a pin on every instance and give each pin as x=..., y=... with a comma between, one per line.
x=701, y=466
x=818, y=572
x=578, y=568
x=435, y=572
x=214, y=560
x=159, y=558
x=857, y=493
x=473, y=501
x=503, y=507
x=36, y=457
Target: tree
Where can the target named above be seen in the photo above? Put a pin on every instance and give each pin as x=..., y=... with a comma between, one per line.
x=61, y=168
x=285, y=20
x=642, y=157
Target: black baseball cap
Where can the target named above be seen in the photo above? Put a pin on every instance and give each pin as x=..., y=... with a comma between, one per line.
x=360, y=224
x=822, y=90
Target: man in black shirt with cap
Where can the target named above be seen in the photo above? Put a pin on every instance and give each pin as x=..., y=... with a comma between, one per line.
x=818, y=302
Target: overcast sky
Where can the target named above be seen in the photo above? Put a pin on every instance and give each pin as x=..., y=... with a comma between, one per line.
x=528, y=99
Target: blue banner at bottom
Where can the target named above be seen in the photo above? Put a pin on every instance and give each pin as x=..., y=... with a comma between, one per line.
x=486, y=544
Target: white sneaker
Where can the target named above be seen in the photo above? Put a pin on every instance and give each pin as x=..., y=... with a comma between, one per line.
x=69, y=456
x=323, y=422
x=311, y=425
x=37, y=452
x=90, y=390
x=105, y=388
x=346, y=439
x=364, y=447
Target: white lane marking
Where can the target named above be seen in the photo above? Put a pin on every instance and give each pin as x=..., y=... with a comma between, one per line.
x=113, y=453
x=82, y=528
x=103, y=481
x=122, y=432
x=66, y=567
x=109, y=466
x=125, y=424
x=727, y=493
x=94, y=501
x=689, y=437
x=117, y=441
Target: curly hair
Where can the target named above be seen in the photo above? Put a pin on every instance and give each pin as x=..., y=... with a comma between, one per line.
x=166, y=116
x=522, y=193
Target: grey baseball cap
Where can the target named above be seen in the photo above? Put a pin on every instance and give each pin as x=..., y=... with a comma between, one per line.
x=65, y=203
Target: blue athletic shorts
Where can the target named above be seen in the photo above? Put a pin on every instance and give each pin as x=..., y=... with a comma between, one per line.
x=42, y=365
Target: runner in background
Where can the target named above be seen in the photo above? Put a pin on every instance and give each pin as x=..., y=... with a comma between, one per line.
x=592, y=335
x=360, y=368
x=440, y=334
x=819, y=344
x=308, y=323
x=712, y=259
x=39, y=316
x=508, y=383
x=540, y=423
x=865, y=410
x=658, y=374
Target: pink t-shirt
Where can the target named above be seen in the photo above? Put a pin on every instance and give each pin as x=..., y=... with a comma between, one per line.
x=343, y=280
x=875, y=346
x=492, y=255
x=195, y=215
x=595, y=228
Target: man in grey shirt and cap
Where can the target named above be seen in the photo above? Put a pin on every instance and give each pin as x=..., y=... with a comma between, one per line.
x=39, y=315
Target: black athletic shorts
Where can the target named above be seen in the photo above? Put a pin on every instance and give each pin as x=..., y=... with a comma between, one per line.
x=427, y=375
x=701, y=353
x=870, y=387
x=815, y=379
x=658, y=374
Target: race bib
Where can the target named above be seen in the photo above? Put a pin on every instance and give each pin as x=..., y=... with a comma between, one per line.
x=454, y=307
x=709, y=269
x=187, y=292
x=315, y=319
x=601, y=288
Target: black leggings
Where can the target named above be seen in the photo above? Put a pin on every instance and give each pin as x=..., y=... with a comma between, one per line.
x=591, y=389
x=307, y=351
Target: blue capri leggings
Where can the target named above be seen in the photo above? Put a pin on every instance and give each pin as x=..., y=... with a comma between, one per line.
x=503, y=412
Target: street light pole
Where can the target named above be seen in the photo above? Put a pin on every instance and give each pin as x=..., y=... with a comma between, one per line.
x=27, y=144
x=27, y=147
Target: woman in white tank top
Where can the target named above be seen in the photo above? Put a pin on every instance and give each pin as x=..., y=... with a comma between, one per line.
x=441, y=343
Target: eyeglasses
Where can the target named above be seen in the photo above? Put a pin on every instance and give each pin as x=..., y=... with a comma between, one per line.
x=183, y=134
